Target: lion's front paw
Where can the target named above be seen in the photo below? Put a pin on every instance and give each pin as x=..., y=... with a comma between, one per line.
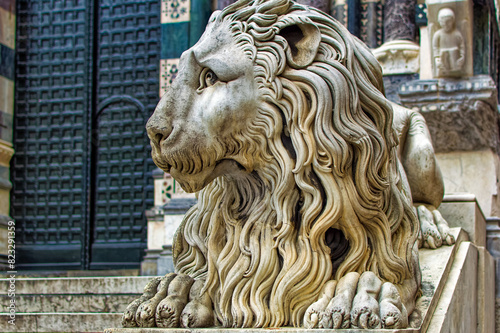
x=145, y=315
x=363, y=302
x=338, y=312
x=314, y=311
x=170, y=308
x=169, y=302
x=393, y=313
x=365, y=307
x=434, y=230
x=128, y=318
x=199, y=311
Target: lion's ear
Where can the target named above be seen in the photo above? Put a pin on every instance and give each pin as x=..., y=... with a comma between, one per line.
x=303, y=40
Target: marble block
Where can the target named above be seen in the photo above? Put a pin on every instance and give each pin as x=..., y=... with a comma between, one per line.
x=462, y=210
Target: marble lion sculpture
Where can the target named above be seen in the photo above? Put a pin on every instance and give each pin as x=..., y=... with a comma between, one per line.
x=314, y=191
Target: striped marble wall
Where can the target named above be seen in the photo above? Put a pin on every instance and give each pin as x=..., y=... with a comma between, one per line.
x=7, y=52
x=182, y=23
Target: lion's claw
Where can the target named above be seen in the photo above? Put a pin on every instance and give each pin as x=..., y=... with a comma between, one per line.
x=185, y=304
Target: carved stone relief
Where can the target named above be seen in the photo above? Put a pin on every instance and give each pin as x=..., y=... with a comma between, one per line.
x=450, y=29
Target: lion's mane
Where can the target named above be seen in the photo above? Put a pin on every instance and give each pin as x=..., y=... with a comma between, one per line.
x=325, y=196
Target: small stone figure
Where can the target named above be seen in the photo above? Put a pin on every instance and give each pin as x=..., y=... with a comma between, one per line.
x=448, y=46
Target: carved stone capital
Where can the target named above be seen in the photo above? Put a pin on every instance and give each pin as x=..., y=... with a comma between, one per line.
x=398, y=57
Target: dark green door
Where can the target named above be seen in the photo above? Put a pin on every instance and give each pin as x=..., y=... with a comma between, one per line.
x=86, y=82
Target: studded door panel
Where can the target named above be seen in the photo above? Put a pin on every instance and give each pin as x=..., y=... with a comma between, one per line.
x=127, y=85
x=49, y=168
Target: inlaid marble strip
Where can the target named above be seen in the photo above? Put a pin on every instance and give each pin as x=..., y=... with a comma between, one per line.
x=200, y=14
x=371, y=23
x=174, y=39
x=175, y=17
x=339, y=11
x=6, y=95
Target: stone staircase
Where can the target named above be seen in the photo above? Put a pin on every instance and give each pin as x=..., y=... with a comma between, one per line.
x=68, y=304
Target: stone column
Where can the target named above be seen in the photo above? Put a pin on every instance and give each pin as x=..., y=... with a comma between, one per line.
x=7, y=54
x=339, y=11
x=371, y=22
x=399, y=20
x=399, y=55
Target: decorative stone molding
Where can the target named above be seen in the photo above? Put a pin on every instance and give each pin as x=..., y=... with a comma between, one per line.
x=398, y=57
x=462, y=114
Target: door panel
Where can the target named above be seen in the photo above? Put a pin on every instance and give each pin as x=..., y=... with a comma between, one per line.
x=79, y=199
x=49, y=168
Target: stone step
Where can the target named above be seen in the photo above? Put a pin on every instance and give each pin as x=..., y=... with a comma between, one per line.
x=76, y=285
x=60, y=322
x=69, y=303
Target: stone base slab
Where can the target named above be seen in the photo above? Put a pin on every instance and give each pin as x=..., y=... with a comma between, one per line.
x=250, y=330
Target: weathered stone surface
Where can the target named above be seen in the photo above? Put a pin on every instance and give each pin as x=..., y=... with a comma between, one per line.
x=69, y=303
x=149, y=265
x=473, y=172
x=398, y=57
x=55, y=286
x=462, y=210
x=399, y=20
x=323, y=5
x=60, y=322
x=435, y=266
x=485, y=297
x=456, y=310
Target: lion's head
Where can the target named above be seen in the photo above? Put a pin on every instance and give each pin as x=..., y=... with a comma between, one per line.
x=278, y=118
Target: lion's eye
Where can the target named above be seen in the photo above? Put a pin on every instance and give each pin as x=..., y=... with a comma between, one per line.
x=208, y=78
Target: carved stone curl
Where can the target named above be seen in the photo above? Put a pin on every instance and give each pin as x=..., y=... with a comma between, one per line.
x=304, y=215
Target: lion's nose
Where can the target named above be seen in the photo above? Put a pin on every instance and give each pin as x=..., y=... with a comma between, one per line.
x=157, y=132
